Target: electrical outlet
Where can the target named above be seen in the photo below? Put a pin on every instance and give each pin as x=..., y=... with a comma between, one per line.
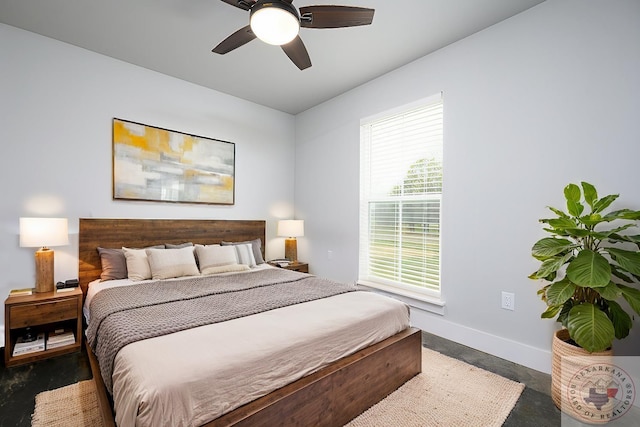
x=508, y=301
x=329, y=254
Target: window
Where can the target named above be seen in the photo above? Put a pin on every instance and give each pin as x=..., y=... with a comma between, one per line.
x=400, y=197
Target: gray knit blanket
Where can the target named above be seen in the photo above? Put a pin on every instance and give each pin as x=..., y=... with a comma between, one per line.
x=123, y=315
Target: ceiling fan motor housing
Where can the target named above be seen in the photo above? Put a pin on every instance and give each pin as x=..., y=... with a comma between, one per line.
x=262, y=4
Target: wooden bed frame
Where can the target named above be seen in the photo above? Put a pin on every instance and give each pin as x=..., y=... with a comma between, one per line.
x=331, y=396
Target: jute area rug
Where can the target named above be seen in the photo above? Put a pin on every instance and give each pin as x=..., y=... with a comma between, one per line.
x=447, y=393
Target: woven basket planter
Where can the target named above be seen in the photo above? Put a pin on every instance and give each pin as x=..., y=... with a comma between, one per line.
x=563, y=372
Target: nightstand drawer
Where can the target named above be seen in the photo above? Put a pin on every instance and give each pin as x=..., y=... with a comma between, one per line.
x=43, y=312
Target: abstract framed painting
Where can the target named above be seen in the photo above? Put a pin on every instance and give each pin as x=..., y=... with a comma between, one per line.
x=156, y=164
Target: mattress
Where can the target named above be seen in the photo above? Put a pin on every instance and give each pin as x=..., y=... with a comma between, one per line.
x=194, y=376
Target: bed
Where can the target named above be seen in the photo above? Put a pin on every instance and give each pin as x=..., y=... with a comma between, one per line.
x=324, y=392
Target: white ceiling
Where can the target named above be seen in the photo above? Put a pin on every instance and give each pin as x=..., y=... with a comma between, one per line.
x=175, y=37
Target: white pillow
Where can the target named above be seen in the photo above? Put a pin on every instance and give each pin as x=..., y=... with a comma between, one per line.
x=245, y=254
x=169, y=263
x=137, y=264
x=215, y=256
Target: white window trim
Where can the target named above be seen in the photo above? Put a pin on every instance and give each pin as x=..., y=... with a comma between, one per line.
x=415, y=299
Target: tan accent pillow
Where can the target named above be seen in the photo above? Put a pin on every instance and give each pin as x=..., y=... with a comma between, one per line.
x=170, y=263
x=211, y=256
x=137, y=264
x=225, y=269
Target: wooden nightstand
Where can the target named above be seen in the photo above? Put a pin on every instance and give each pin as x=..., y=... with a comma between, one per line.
x=302, y=267
x=43, y=312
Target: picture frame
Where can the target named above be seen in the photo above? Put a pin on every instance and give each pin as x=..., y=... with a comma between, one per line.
x=156, y=164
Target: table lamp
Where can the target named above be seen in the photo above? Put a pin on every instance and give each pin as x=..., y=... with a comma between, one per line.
x=291, y=228
x=44, y=232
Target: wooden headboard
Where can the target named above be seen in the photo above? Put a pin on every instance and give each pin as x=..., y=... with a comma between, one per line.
x=139, y=233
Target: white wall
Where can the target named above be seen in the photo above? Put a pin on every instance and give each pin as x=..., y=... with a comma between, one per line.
x=56, y=106
x=548, y=97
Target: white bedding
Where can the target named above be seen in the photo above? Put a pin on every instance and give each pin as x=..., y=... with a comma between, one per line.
x=192, y=377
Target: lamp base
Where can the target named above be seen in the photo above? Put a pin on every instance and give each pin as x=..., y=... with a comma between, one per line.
x=291, y=249
x=44, y=270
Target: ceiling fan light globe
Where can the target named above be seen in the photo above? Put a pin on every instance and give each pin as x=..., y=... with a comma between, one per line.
x=274, y=26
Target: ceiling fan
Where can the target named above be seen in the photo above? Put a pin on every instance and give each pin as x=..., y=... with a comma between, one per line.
x=277, y=22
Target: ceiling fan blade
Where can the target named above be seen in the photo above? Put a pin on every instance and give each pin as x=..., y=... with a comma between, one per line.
x=335, y=16
x=242, y=4
x=297, y=52
x=241, y=37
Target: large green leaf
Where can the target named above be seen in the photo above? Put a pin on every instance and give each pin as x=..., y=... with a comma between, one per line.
x=551, y=265
x=590, y=327
x=550, y=246
x=622, y=322
x=604, y=203
x=623, y=214
x=560, y=291
x=575, y=208
x=590, y=193
x=610, y=292
x=632, y=295
x=561, y=223
x=589, y=269
x=572, y=194
x=628, y=260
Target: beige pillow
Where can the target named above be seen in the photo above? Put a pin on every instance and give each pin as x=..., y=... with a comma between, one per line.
x=169, y=263
x=212, y=256
x=137, y=264
x=225, y=269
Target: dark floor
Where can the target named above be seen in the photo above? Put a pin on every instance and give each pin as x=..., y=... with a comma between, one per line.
x=20, y=384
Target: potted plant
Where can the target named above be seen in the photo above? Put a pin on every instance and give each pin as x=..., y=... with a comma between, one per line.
x=589, y=264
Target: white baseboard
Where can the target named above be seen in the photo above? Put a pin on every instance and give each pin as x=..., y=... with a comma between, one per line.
x=429, y=318
x=514, y=351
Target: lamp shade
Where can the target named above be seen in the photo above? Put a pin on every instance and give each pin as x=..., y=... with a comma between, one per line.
x=44, y=232
x=291, y=228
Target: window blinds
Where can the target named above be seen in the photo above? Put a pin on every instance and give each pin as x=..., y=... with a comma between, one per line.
x=400, y=195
